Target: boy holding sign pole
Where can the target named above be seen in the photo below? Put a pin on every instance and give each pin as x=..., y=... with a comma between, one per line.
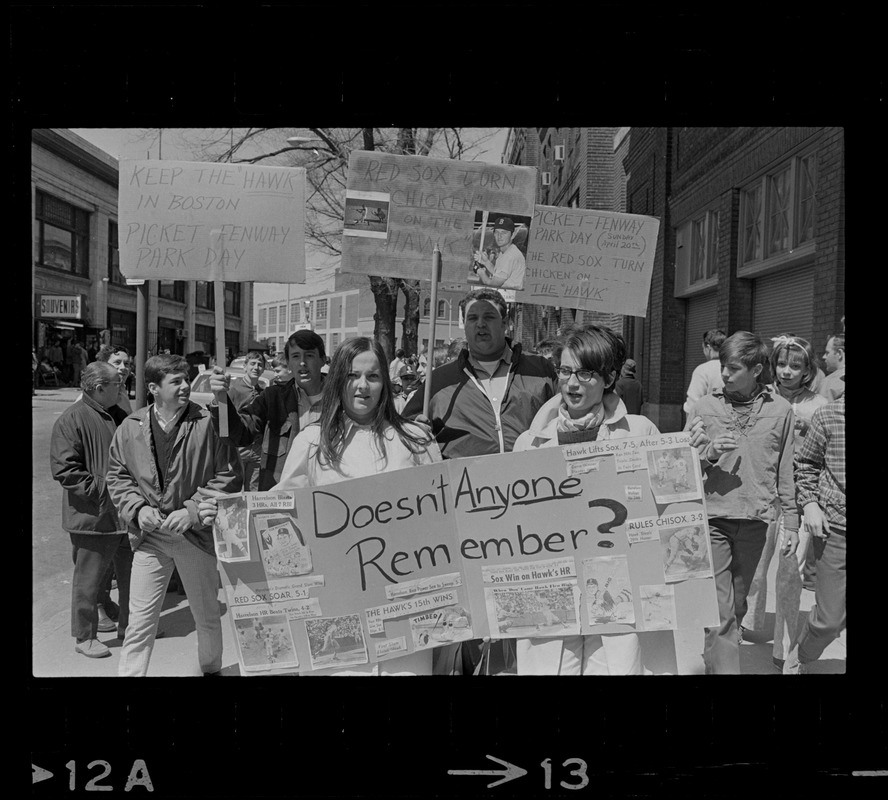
x=281, y=410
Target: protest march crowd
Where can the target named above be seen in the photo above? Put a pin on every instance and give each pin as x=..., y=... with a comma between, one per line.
x=140, y=486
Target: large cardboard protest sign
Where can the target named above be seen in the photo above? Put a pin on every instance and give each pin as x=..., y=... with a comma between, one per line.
x=399, y=208
x=343, y=575
x=180, y=220
x=598, y=537
x=586, y=538
x=593, y=260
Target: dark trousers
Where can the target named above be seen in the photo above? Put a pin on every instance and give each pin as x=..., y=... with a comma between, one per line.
x=827, y=619
x=737, y=546
x=93, y=555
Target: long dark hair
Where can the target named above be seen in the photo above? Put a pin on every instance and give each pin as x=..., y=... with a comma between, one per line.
x=332, y=420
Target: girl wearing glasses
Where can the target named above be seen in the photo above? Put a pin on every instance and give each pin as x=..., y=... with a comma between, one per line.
x=587, y=409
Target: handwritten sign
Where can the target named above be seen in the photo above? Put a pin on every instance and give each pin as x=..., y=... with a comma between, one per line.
x=507, y=546
x=593, y=260
x=398, y=208
x=205, y=221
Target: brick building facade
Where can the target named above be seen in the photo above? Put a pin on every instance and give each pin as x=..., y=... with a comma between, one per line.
x=752, y=237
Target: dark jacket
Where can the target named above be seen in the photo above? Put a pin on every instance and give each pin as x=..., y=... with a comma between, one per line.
x=274, y=419
x=463, y=419
x=200, y=460
x=629, y=390
x=78, y=452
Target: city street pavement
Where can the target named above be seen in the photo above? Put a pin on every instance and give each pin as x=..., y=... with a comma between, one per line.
x=175, y=653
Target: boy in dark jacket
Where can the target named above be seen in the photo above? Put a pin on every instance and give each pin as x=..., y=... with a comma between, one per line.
x=81, y=438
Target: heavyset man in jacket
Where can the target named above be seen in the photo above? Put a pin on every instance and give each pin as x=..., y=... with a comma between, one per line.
x=164, y=458
x=480, y=404
x=81, y=438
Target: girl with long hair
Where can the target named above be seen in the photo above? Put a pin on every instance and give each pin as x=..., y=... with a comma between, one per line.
x=793, y=370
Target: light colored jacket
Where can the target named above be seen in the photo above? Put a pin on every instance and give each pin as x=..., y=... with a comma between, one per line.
x=743, y=483
x=617, y=424
x=705, y=379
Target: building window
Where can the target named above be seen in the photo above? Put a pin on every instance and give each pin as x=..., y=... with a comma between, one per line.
x=321, y=311
x=778, y=212
x=205, y=336
x=272, y=318
x=334, y=342
x=427, y=307
x=752, y=224
x=282, y=318
x=442, y=305
x=232, y=298
x=115, y=276
x=203, y=295
x=263, y=320
x=172, y=290
x=696, y=254
x=63, y=235
x=807, y=184
x=294, y=313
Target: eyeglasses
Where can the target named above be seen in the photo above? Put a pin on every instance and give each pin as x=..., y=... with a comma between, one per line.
x=583, y=375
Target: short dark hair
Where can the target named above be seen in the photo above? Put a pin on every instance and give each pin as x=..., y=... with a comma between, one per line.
x=748, y=348
x=492, y=296
x=838, y=341
x=554, y=346
x=305, y=340
x=598, y=349
x=279, y=361
x=159, y=366
x=399, y=353
x=714, y=338
x=107, y=350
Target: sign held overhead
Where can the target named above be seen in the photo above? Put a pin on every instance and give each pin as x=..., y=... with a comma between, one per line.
x=399, y=208
x=593, y=260
x=205, y=221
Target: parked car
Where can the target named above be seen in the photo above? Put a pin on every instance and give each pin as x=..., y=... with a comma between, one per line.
x=200, y=386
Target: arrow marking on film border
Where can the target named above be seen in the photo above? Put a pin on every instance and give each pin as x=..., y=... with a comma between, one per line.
x=510, y=773
x=39, y=774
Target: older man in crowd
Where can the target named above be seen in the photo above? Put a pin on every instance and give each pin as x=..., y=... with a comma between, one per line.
x=79, y=447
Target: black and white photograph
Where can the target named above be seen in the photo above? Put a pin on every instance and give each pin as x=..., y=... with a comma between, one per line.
x=672, y=474
x=231, y=532
x=336, y=641
x=266, y=641
x=685, y=553
x=366, y=214
x=499, y=244
x=544, y=609
x=283, y=547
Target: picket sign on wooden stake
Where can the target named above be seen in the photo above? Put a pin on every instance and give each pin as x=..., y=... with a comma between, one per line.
x=219, y=316
x=436, y=277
